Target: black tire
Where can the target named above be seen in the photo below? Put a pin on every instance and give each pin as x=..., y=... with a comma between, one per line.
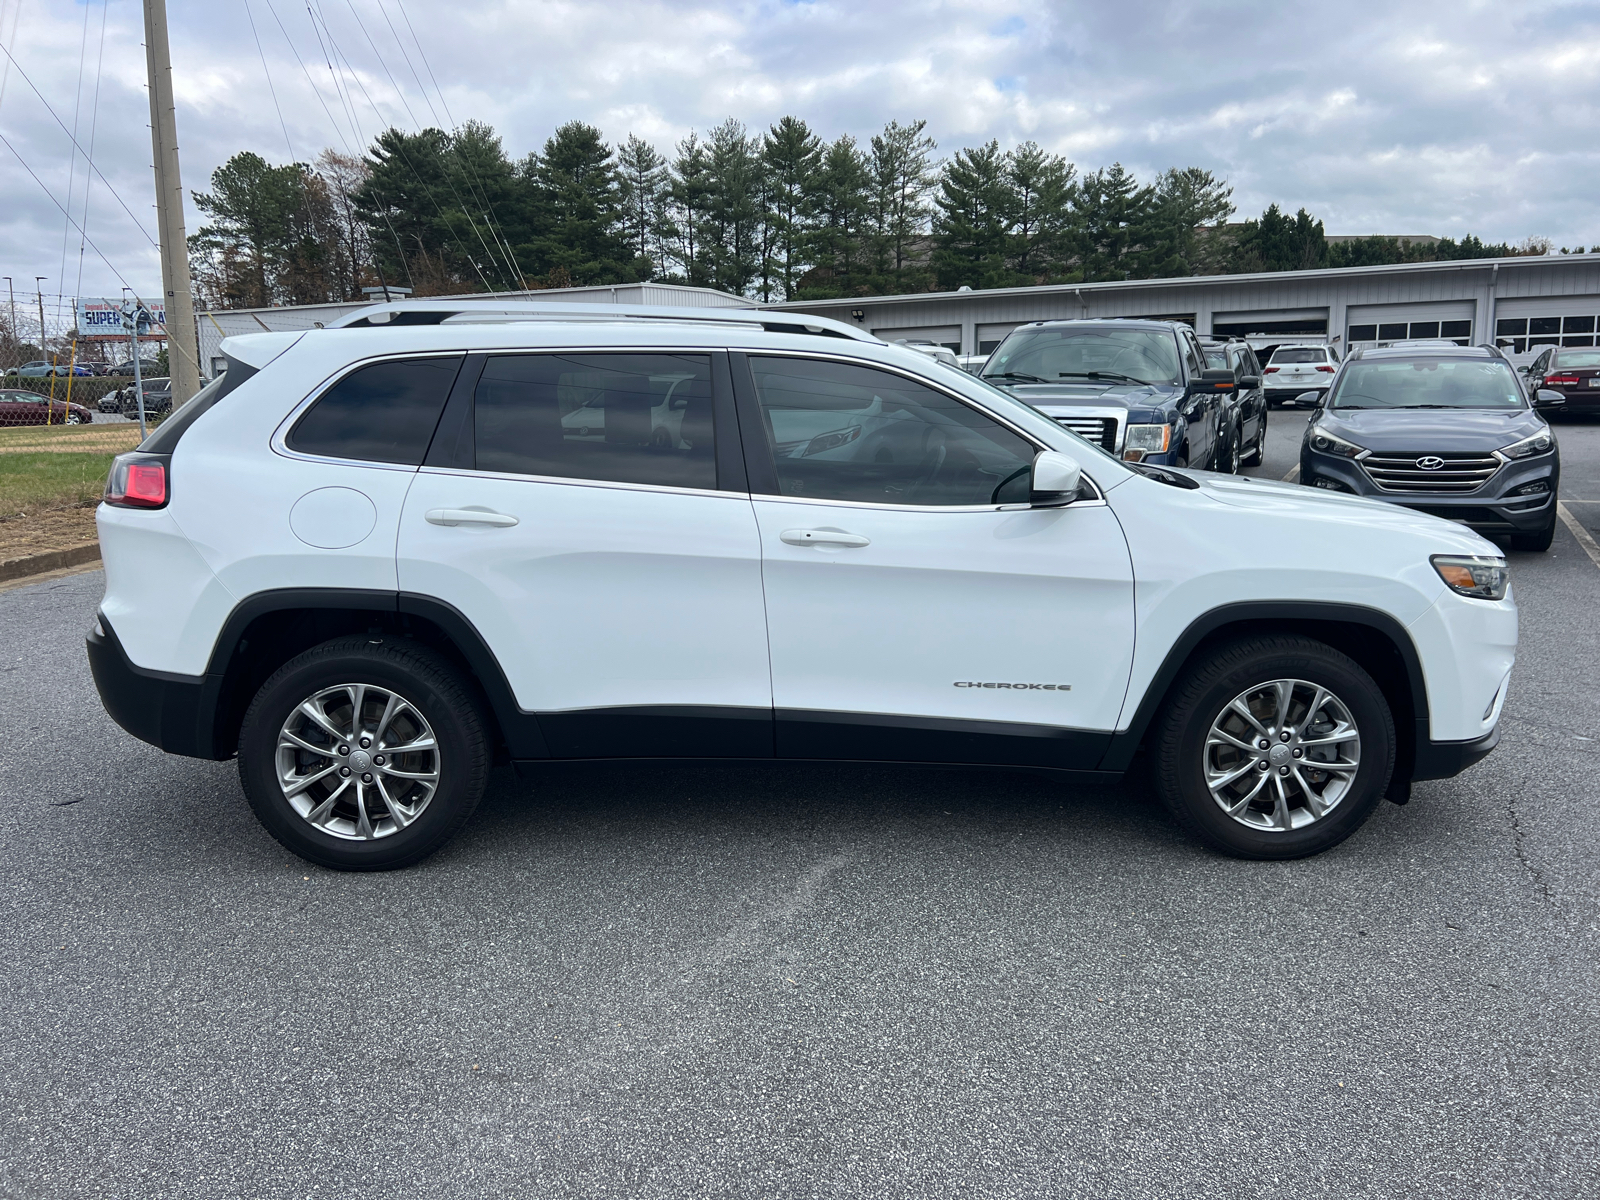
x=1536, y=543
x=1210, y=686
x=425, y=680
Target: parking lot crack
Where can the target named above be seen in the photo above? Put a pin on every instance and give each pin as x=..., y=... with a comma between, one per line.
x=1519, y=837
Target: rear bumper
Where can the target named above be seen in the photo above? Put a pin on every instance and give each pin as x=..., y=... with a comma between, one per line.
x=1282, y=394
x=1443, y=760
x=172, y=712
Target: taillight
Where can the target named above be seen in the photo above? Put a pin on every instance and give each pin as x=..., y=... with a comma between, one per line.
x=1328, y=369
x=1270, y=370
x=137, y=481
x=1560, y=381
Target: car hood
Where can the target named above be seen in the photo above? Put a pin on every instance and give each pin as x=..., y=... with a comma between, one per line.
x=1431, y=428
x=1089, y=393
x=1297, y=502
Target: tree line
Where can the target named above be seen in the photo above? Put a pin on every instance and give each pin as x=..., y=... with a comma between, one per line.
x=781, y=214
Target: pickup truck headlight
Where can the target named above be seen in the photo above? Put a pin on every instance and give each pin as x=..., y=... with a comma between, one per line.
x=1471, y=575
x=1146, y=439
x=1529, y=446
x=1327, y=443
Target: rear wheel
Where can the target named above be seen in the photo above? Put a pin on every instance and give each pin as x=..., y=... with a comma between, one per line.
x=364, y=754
x=1275, y=748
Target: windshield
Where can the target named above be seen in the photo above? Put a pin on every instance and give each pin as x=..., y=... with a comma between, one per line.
x=1579, y=358
x=1302, y=354
x=1427, y=383
x=1085, y=352
x=1216, y=360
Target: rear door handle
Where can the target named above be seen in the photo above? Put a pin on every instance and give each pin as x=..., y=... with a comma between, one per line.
x=468, y=516
x=823, y=537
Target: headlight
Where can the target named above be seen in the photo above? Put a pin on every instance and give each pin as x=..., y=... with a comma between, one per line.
x=1327, y=443
x=1529, y=446
x=1148, y=439
x=1471, y=575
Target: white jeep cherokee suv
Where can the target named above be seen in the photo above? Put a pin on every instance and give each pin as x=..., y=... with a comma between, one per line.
x=374, y=559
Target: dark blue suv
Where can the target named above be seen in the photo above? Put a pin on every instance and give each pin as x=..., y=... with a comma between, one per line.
x=1140, y=389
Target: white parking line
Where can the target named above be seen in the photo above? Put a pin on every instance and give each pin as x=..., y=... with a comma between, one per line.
x=1294, y=473
x=1579, y=532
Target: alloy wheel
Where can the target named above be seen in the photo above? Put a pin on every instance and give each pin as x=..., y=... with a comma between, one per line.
x=357, y=761
x=1282, y=755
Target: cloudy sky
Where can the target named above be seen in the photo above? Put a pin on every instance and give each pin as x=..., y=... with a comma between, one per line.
x=1393, y=117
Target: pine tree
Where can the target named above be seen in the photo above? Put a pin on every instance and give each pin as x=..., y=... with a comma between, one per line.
x=1186, y=200
x=1042, y=196
x=689, y=192
x=973, y=229
x=733, y=209
x=577, y=202
x=792, y=156
x=644, y=195
x=841, y=200
x=903, y=175
x=1114, y=214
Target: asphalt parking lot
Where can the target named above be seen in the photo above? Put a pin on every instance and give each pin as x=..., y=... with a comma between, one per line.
x=803, y=980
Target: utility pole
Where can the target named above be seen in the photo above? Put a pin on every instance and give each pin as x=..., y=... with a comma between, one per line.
x=37, y=280
x=183, y=357
x=16, y=338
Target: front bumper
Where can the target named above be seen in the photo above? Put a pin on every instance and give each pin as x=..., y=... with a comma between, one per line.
x=172, y=712
x=1491, y=509
x=1444, y=760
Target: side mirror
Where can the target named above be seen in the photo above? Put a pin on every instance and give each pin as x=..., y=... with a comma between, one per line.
x=1314, y=399
x=1055, y=479
x=1213, y=381
x=1548, y=398
x=1250, y=382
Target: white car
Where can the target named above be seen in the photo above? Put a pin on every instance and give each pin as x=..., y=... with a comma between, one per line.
x=1293, y=370
x=357, y=558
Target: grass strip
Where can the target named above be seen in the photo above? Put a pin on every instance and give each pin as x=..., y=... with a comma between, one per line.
x=50, y=479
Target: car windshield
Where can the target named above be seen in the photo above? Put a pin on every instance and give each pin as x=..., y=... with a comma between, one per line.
x=1085, y=352
x=1217, y=360
x=1579, y=358
x=1299, y=354
x=1427, y=383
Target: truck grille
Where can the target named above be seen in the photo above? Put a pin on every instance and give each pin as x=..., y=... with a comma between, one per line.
x=1458, y=472
x=1100, y=430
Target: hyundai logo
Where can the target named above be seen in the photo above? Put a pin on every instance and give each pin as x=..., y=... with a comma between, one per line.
x=1429, y=462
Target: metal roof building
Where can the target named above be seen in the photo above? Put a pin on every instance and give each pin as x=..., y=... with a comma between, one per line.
x=1524, y=301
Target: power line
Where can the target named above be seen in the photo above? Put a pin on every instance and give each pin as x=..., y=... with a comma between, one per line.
x=94, y=126
x=271, y=91
x=68, y=132
x=72, y=158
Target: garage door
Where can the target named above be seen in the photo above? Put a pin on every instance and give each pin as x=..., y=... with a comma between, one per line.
x=1380, y=324
x=1521, y=325
x=948, y=336
x=1283, y=322
x=990, y=336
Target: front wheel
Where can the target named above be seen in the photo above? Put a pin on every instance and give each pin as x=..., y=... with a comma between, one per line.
x=1258, y=449
x=1275, y=748
x=364, y=753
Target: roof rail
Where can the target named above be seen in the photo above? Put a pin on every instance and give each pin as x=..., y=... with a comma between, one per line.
x=491, y=312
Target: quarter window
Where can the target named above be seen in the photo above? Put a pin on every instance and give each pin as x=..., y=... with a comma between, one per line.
x=838, y=431
x=385, y=412
x=619, y=418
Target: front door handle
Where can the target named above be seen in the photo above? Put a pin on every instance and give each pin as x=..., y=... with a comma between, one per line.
x=823, y=537
x=468, y=516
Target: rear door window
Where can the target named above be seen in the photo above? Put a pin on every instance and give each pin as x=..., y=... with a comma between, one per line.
x=616, y=418
x=384, y=412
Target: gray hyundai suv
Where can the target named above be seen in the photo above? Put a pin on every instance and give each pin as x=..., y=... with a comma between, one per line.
x=1449, y=430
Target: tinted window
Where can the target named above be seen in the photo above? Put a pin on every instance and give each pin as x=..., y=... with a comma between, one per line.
x=385, y=412
x=1301, y=354
x=622, y=418
x=843, y=432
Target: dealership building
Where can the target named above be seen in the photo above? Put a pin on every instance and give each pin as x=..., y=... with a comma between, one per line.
x=1519, y=302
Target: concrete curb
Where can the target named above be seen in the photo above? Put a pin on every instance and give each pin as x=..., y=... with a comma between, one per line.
x=50, y=560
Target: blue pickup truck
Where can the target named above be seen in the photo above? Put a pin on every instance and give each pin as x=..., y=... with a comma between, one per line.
x=1139, y=389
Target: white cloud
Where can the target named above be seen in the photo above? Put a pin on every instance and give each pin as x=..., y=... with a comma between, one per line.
x=1413, y=118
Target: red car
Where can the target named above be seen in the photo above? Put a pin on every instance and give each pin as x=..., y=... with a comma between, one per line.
x=30, y=408
x=1574, y=371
